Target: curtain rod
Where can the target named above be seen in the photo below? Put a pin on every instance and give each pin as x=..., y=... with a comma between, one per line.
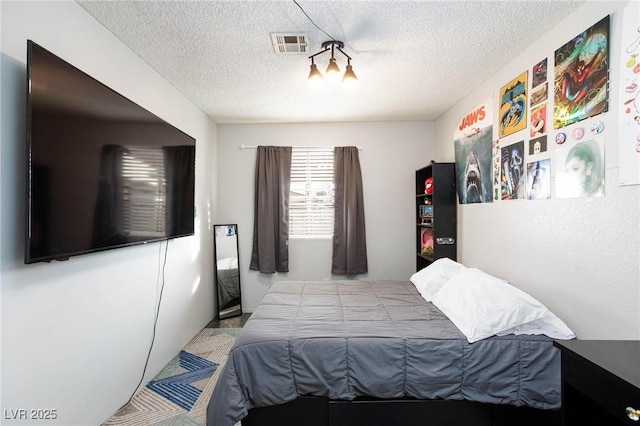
x=306, y=147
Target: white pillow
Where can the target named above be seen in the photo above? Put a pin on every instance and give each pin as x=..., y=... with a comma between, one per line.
x=481, y=305
x=549, y=325
x=430, y=279
x=228, y=263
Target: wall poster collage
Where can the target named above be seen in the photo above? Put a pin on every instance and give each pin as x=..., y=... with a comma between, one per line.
x=518, y=164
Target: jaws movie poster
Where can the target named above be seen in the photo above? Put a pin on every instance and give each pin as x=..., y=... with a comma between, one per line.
x=472, y=142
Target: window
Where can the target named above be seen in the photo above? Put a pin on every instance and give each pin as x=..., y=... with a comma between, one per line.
x=143, y=192
x=311, y=193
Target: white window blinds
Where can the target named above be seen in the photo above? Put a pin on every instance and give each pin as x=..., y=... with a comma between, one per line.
x=143, y=192
x=312, y=193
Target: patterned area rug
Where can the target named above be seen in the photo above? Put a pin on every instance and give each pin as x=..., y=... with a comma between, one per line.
x=179, y=394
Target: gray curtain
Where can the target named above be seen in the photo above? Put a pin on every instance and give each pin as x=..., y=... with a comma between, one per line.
x=108, y=221
x=271, y=212
x=179, y=164
x=349, y=239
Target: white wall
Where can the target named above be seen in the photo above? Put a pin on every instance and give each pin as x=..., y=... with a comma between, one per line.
x=390, y=156
x=580, y=257
x=75, y=334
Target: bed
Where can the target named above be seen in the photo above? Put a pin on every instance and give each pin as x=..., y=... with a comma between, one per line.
x=334, y=352
x=228, y=277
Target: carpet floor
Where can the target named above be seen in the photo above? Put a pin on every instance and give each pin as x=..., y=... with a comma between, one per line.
x=179, y=394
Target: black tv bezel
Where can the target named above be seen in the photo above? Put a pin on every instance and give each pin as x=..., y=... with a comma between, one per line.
x=28, y=259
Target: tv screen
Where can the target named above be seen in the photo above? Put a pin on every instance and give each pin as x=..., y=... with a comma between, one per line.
x=102, y=172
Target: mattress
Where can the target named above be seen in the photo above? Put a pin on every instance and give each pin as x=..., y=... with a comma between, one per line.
x=346, y=339
x=228, y=276
x=228, y=287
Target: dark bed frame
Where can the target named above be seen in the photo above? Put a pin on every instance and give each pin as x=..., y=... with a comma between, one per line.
x=317, y=411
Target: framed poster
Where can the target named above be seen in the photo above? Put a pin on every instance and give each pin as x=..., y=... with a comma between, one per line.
x=539, y=73
x=538, y=95
x=539, y=179
x=538, y=120
x=581, y=76
x=580, y=169
x=513, y=106
x=426, y=242
x=473, y=167
x=513, y=184
x=538, y=145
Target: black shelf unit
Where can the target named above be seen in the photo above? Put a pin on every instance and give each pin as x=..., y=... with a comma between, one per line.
x=600, y=382
x=436, y=213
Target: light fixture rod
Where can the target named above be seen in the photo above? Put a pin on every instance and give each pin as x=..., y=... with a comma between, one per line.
x=316, y=54
x=348, y=57
x=243, y=146
x=330, y=45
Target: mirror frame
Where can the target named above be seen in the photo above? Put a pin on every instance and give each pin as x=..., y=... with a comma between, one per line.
x=222, y=310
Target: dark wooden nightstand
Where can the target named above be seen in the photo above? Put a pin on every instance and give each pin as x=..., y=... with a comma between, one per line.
x=600, y=382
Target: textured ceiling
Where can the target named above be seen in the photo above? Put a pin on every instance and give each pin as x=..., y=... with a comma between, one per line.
x=413, y=59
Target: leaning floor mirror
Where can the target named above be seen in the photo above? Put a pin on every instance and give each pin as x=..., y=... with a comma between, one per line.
x=227, y=271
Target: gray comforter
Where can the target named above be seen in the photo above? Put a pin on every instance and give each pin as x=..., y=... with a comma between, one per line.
x=344, y=339
x=228, y=287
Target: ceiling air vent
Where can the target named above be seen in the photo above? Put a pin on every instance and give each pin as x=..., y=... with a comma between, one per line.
x=290, y=43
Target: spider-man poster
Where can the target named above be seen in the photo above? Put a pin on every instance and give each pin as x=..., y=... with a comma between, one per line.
x=513, y=171
x=581, y=76
x=513, y=106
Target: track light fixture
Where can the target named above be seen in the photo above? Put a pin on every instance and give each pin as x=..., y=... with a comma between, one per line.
x=332, y=69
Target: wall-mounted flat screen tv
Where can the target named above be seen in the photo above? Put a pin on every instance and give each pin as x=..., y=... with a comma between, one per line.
x=102, y=172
